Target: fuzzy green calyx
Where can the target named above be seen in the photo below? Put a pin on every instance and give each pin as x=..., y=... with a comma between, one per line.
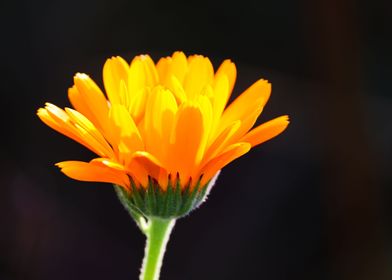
x=172, y=203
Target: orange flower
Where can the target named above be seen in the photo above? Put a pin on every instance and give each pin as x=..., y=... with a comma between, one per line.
x=161, y=121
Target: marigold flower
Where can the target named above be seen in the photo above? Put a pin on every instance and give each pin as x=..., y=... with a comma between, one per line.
x=161, y=121
x=161, y=133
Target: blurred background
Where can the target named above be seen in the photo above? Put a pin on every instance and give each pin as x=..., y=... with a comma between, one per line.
x=314, y=203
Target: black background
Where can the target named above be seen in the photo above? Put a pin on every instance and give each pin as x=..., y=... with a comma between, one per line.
x=313, y=203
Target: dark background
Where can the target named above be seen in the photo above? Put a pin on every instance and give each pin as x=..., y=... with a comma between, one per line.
x=313, y=203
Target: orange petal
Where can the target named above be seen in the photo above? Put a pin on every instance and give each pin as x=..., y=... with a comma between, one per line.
x=90, y=172
x=109, y=163
x=88, y=127
x=222, y=140
x=185, y=141
x=125, y=132
x=214, y=165
x=255, y=96
x=247, y=123
x=153, y=167
x=59, y=120
x=92, y=96
x=139, y=175
x=266, y=131
x=82, y=104
x=49, y=121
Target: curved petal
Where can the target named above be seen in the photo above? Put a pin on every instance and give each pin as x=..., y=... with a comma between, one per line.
x=179, y=66
x=60, y=121
x=86, y=125
x=207, y=114
x=92, y=97
x=161, y=109
x=185, y=141
x=266, y=131
x=91, y=172
x=255, y=96
x=115, y=71
x=109, y=163
x=43, y=114
x=163, y=69
x=228, y=69
x=174, y=66
x=222, y=140
x=152, y=166
x=137, y=104
x=142, y=73
x=138, y=173
x=200, y=73
x=221, y=93
x=125, y=132
x=214, y=165
x=177, y=89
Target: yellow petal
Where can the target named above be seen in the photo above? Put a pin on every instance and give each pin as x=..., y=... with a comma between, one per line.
x=229, y=70
x=176, y=66
x=126, y=132
x=179, y=66
x=207, y=114
x=176, y=88
x=214, y=165
x=221, y=93
x=219, y=99
x=142, y=73
x=200, y=73
x=115, y=71
x=266, y=131
x=137, y=104
x=90, y=172
x=150, y=70
x=163, y=69
x=158, y=122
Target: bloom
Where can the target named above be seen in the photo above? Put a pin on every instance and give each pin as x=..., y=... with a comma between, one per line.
x=161, y=121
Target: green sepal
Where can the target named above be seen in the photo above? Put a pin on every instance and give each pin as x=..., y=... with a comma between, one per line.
x=172, y=202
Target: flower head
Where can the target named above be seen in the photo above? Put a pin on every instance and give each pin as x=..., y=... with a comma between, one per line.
x=167, y=122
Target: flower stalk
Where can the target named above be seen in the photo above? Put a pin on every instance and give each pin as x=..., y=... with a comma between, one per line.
x=157, y=232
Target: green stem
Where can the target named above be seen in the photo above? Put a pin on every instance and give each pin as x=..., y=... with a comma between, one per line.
x=157, y=232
